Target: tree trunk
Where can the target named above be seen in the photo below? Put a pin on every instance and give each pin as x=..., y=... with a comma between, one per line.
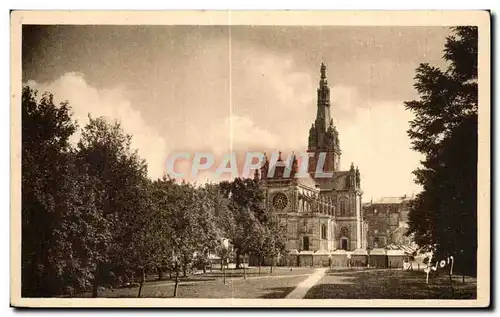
x=160, y=273
x=260, y=263
x=96, y=282
x=244, y=268
x=272, y=263
x=238, y=260
x=224, y=274
x=176, y=280
x=184, y=270
x=143, y=279
x=94, y=290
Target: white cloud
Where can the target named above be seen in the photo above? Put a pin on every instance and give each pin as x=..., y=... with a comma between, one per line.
x=220, y=135
x=237, y=133
x=247, y=135
x=344, y=100
x=112, y=104
x=375, y=139
x=273, y=111
x=270, y=89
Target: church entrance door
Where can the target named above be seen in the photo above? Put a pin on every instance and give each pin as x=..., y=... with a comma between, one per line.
x=343, y=244
x=305, y=241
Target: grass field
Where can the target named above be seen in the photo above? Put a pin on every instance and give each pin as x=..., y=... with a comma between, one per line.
x=211, y=285
x=391, y=284
x=338, y=283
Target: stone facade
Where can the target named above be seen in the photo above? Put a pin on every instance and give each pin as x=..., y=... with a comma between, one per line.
x=387, y=221
x=321, y=214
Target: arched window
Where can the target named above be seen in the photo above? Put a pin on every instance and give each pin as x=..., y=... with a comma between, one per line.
x=324, y=232
x=344, y=207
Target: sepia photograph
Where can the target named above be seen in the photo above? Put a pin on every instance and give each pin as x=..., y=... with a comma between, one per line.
x=244, y=158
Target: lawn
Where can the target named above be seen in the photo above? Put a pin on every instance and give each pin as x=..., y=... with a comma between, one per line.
x=391, y=284
x=211, y=285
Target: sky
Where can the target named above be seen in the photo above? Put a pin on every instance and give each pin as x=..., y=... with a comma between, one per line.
x=242, y=88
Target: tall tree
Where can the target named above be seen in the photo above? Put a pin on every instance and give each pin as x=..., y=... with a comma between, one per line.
x=256, y=230
x=246, y=198
x=444, y=214
x=46, y=129
x=121, y=179
x=60, y=219
x=185, y=223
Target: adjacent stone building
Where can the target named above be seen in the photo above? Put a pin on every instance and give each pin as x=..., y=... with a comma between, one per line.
x=387, y=221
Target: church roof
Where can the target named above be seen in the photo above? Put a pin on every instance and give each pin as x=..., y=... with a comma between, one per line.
x=389, y=200
x=339, y=181
x=307, y=181
x=378, y=251
x=339, y=174
x=392, y=200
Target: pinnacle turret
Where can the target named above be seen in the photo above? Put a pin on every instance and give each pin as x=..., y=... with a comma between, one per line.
x=323, y=71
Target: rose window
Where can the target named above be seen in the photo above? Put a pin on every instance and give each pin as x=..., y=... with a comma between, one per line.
x=280, y=201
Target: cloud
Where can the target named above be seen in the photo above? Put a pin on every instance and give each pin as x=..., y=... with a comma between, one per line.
x=246, y=135
x=375, y=139
x=113, y=105
x=219, y=137
x=344, y=101
x=274, y=104
x=269, y=104
x=271, y=90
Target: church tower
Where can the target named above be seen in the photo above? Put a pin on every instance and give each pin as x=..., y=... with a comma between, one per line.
x=323, y=136
x=321, y=212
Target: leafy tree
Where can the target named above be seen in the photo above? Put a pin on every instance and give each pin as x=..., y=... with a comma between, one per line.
x=249, y=214
x=184, y=223
x=219, y=221
x=90, y=215
x=60, y=220
x=159, y=224
x=275, y=239
x=256, y=230
x=120, y=181
x=444, y=214
x=46, y=129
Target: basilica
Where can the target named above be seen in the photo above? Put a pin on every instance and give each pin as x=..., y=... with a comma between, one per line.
x=321, y=214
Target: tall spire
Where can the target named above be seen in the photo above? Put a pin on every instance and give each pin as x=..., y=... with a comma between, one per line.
x=322, y=134
x=323, y=113
x=323, y=82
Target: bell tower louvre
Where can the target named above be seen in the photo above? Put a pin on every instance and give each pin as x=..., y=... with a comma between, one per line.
x=323, y=135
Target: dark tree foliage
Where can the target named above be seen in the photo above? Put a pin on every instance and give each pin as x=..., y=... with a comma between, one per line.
x=444, y=215
x=59, y=216
x=91, y=218
x=256, y=231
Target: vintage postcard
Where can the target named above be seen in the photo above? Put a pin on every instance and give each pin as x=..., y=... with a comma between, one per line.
x=250, y=158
